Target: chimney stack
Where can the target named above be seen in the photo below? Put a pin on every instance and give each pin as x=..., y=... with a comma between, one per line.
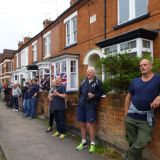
x=26, y=39
x=20, y=44
x=72, y=2
x=46, y=23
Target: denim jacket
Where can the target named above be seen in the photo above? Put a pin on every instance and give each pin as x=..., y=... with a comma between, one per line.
x=150, y=113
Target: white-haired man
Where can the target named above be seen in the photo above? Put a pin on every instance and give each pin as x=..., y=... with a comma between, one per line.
x=90, y=91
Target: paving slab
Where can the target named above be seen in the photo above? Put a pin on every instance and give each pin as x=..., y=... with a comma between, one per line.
x=24, y=139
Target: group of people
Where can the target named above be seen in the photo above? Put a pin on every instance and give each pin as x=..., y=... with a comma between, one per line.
x=90, y=92
x=29, y=94
x=11, y=95
x=30, y=97
x=142, y=99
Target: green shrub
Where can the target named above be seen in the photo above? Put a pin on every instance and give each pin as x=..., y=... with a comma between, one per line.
x=120, y=69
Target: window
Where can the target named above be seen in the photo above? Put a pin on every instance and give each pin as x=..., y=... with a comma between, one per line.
x=15, y=77
x=71, y=29
x=63, y=64
x=0, y=69
x=9, y=66
x=73, y=74
x=24, y=57
x=146, y=44
x=74, y=21
x=68, y=70
x=68, y=33
x=140, y=7
x=111, y=49
x=58, y=68
x=61, y=70
x=17, y=60
x=34, y=52
x=130, y=9
x=34, y=74
x=136, y=47
x=47, y=44
x=127, y=45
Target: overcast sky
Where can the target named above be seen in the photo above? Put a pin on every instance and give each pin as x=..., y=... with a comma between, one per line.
x=20, y=18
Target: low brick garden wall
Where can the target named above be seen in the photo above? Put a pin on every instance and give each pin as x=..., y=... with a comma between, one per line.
x=110, y=122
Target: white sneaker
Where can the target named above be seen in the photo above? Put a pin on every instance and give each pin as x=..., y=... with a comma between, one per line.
x=14, y=110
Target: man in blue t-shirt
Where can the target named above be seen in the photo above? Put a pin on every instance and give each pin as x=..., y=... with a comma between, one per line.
x=141, y=100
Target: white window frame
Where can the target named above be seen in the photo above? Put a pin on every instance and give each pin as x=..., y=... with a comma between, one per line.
x=132, y=11
x=10, y=62
x=17, y=61
x=24, y=57
x=68, y=71
x=34, y=51
x=139, y=47
x=72, y=31
x=0, y=69
x=47, y=44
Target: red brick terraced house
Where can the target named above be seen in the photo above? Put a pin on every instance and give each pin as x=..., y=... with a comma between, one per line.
x=65, y=46
x=78, y=38
x=6, y=65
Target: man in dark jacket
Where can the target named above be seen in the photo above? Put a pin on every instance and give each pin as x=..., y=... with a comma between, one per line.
x=91, y=91
x=51, y=109
x=24, y=96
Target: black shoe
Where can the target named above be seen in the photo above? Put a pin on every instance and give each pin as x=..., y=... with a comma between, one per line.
x=49, y=129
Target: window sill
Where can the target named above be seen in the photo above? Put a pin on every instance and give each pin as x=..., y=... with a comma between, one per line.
x=72, y=91
x=131, y=21
x=47, y=57
x=71, y=45
x=35, y=62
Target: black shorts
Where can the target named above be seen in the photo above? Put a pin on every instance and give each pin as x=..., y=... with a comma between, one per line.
x=86, y=113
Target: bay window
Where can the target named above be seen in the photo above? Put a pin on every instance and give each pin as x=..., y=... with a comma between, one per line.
x=67, y=68
x=137, y=46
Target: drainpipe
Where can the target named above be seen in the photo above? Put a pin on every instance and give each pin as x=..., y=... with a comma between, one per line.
x=105, y=22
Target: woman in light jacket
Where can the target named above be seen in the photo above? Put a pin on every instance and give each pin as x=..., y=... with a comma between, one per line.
x=16, y=92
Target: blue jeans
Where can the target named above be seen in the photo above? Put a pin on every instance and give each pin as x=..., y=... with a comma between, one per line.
x=25, y=106
x=15, y=100
x=28, y=111
x=33, y=107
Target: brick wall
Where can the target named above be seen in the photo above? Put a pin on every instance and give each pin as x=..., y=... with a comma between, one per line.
x=110, y=122
x=42, y=106
x=110, y=125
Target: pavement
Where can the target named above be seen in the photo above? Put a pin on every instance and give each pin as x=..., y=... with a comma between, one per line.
x=24, y=139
